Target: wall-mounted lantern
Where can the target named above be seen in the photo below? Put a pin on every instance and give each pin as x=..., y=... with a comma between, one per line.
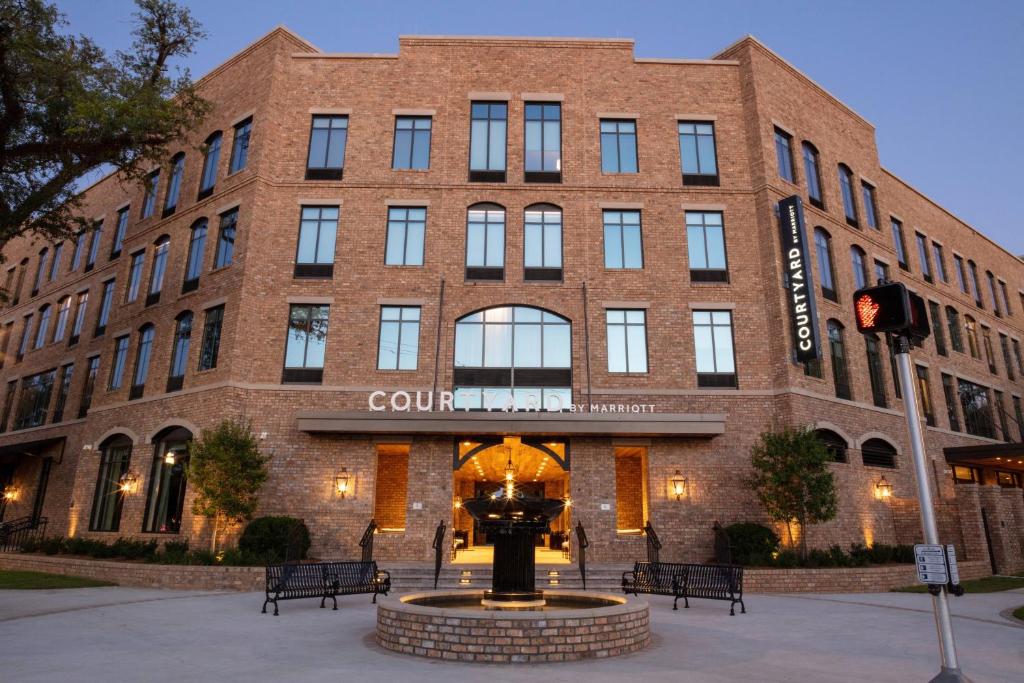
x=883, y=489
x=680, y=485
x=341, y=482
x=128, y=484
x=457, y=503
x=11, y=493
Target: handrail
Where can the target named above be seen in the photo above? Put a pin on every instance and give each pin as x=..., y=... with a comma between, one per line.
x=582, y=545
x=653, y=544
x=366, y=542
x=15, y=532
x=438, y=546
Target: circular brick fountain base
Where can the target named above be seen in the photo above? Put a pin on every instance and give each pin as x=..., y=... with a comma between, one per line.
x=443, y=625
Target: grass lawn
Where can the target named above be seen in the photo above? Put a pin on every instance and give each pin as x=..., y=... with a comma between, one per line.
x=15, y=580
x=1019, y=613
x=988, y=584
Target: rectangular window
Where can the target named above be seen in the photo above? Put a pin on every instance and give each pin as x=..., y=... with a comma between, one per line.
x=876, y=373
x=627, y=340
x=240, y=146
x=76, y=254
x=80, y=308
x=412, y=143
x=1018, y=413
x=26, y=335
x=543, y=141
x=870, y=207
x=1006, y=298
x=623, y=244
x=935, y=313
x=398, y=346
x=977, y=410
x=542, y=244
x=44, y=325
x=61, y=325
x=12, y=387
x=152, y=185
x=924, y=392
x=174, y=184
x=990, y=356
x=485, y=244
x=226, y=239
x=900, y=244
x=166, y=498
x=119, y=233
x=63, y=388
x=156, y=275
x=488, y=131
x=784, y=155
x=327, y=138
x=105, y=303
x=922, y=254
x=881, y=272
x=989, y=277
x=713, y=349
x=631, y=510
x=705, y=243
x=210, y=161
x=307, y=343
x=92, y=371
x=1004, y=344
x=143, y=353
x=318, y=230
x=1004, y=417
x=961, y=276
x=211, y=338
x=34, y=401
x=697, y=152
x=118, y=363
x=194, y=263
x=134, y=277
x=846, y=190
x=5, y=342
x=58, y=251
x=618, y=146
x=1019, y=356
x=940, y=262
x=949, y=394
x=109, y=498
x=972, y=270
x=391, y=487
x=407, y=227
x=94, y=246
x=40, y=271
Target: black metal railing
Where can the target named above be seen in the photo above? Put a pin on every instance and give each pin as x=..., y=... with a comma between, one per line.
x=14, y=533
x=438, y=546
x=581, y=551
x=653, y=544
x=366, y=542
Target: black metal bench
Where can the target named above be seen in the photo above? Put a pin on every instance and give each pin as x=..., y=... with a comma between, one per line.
x=680, y=580
x=292, y=581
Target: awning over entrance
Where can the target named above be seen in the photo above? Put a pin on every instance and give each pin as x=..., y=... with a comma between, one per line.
x=1004, y=456
x=53, y=447
x=506, y=423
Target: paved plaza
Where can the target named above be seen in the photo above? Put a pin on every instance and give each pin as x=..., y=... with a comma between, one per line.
x=127, y=634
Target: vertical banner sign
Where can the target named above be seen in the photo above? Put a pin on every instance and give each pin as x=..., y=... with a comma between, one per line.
x=803, y=312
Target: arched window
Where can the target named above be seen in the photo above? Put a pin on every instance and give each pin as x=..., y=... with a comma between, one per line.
x=174, y=183
x=812, y=169
x=878, y=453
x=165, y=500
x=179, y=352
x=156, y=276
x=142, y=355
x=209, y=177
x=840, y=372
x=826, y=271
x=513, y=356
x=835, y=444
x=44, y=325
x=194, y=264
x=876, y=373
x=115, y=457
x=542, y=242
x=972, y=336
x=485, y=242
x=846, y=188
x=63, y=309
x=860, y=266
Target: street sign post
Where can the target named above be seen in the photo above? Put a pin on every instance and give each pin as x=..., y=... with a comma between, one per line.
x=931, y=564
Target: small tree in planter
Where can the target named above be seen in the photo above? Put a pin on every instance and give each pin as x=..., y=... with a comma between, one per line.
x=792, y=480
x=226, y=470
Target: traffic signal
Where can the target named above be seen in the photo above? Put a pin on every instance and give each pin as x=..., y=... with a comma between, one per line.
x=919, y=327
x=882, y=308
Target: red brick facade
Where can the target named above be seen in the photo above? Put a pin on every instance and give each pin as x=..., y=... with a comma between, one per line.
x=747, y=92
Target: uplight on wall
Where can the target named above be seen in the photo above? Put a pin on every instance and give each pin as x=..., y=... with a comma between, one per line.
x=680, y=485
x=341, y=482
x=883, y=489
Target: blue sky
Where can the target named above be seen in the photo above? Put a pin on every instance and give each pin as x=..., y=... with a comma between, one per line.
x=940, y=80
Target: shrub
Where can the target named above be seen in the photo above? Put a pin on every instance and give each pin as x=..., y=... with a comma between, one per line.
x=52, y=545
x=274, y=539
x=752, y=543
x=787, y=559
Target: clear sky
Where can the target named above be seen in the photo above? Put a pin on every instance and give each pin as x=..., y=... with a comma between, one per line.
x=942, y=81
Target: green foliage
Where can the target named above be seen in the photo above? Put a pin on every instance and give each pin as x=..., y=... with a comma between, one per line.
x=835, y=556
x=226, y=470
x=752, y=543
x=69, y=108
x=173, y=552
x=276, y=538
x=791, y=478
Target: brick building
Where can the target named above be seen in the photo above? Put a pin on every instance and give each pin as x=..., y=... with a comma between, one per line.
x=358, y=253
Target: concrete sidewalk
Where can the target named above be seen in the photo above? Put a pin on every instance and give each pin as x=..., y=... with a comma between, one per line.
x=103, y=634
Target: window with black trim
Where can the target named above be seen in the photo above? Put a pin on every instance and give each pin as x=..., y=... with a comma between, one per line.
x=12, y=387
x=1019, y=356
x=318, y=230
x=63, y=311
x=542, y=243
x=623, y=240
x=156, y=276
x=922, y=255
x=1006, y=298
x=58, y=251
x=76, y=254
x=407, y=227
x=81, y=304
x=618, y=146
x=834, y=444
x=240, y=146
x=1004, y=417
x=859, y=261
x=867, y=192
x=542, y=132
x=971, y=328
x=784, y=155
x=143, y=354
x=950, y=396
x=398, y=344
x=120, y=232
x=94, y=246
x=487, y=141
x=63, y=389
x=826, y=268
x=26, y=335
x=961, y=275
x=972, y=270
x=627, y=340
x=165, y=499
x=881, y=271
x=986, y=342
x=226, y=239
x=938, y=333
x=812, y=169
x=976, y=408
x=705, y=246
x=840, y=370
x=44, y=256
x=924, y=393
x=45, y=311
x=92, y=371
x=953, y=325
x=412, y=143
x=846, y=189
x=34, y=399
x=878, y=453
x=876, y=371
x=179, y=350
x=940, y=262
x=5, y=341
x=306, y=344
x=131, y=292
x=211, y=157
x=328, y=136
x=1018, y=416
x=115, y=457
x=152, y=185
x=485, y=242
x=989, y=277
x=174, y=184
x=714, y=350
x=900, y=244
x=117, y=364
x=1004, y=345
x=194, y=263
x=211, y=338
x=697, y=153
x=106, y=302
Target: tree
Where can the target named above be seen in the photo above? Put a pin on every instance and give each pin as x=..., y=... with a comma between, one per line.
x=226, y=470
x=68, y=108
x=792, y=480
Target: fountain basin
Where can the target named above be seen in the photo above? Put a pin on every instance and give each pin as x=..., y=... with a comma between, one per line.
x=453, y=625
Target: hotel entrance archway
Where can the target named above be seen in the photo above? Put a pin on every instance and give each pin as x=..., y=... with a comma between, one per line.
x=481, y=467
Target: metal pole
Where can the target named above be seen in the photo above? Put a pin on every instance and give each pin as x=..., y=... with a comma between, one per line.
x=940, y=602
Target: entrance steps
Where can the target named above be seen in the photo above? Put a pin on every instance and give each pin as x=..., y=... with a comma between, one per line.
x=412, y=576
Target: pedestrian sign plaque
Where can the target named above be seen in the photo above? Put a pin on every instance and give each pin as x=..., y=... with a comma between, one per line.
x=931, y=563
x=954, y=572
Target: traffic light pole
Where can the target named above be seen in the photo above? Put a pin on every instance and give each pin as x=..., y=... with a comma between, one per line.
x=940, y=601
